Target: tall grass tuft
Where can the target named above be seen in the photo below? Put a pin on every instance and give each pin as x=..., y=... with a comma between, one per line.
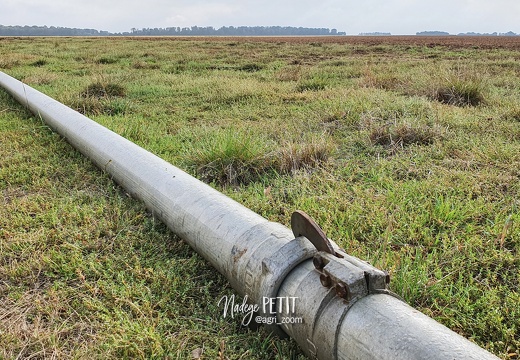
x=314, y=82
x=230, y=158
x=289, y=73
x=104, y=60
x=101, y=98
x=101, y=90
x=39, y=63
x=460, y=93
x=294, y=156
x=461, y=88
x=513, y=113
x=399, y=133
x=251, y=67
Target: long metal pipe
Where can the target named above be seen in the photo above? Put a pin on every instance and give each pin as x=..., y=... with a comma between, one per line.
x=261, y=259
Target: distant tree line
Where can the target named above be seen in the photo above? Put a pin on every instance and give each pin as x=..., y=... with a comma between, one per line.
x=207, y=31
x=235, y=31
x=48, y=31
x=170, y=31
x=443, y=33
x=510, y=33
x=432, y=33
x=377, y=33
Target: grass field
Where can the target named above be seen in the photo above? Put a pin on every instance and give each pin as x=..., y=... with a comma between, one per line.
x=406, y=153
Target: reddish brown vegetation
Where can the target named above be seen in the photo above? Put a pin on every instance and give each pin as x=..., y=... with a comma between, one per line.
x=484, y=42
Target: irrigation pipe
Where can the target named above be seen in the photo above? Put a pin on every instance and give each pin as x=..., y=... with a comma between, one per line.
x=344, y=308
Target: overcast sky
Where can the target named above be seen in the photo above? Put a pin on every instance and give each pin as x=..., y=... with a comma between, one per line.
x=353, y=17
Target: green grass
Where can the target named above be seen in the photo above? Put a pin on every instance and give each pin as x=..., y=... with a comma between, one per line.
x=356, y=136
x=230, y=157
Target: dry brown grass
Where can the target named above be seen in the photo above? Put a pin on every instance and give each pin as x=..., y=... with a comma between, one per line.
x=381, y=80
x=102, y=90
x=40, y=79
x=452, y=42
x=145, y=65
x=290, y=73
x=398, y=133
x=100, y=97
x=294, y=156
x=35, y=328
x=402, y=134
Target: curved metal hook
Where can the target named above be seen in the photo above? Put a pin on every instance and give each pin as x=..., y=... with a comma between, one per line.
x=303, y=225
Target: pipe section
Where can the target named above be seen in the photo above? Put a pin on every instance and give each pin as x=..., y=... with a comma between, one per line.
x=261, y=259
x=376, y=326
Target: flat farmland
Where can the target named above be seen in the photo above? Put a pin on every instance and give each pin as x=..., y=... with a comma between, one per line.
x=485, y=42
x=406, y=150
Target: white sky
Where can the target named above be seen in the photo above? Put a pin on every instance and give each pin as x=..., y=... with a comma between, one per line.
x=353, y=17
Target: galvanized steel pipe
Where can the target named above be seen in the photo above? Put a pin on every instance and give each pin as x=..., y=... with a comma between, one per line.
x=261, y=259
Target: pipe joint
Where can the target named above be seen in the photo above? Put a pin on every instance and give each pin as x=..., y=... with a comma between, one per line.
x=260, y=267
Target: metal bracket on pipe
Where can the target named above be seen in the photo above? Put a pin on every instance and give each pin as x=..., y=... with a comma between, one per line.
x=349, y=276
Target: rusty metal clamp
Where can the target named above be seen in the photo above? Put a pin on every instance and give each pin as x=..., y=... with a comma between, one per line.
x=349, y=276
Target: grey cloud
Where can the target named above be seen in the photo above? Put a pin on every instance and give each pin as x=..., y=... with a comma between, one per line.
x=396, y=16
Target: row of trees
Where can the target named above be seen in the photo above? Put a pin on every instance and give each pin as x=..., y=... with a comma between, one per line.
x=48, y=31
x=206, y=31
x=235, y=31
x=443, y=33
x=377, y=33
x=170, y=31
x=510, y=33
